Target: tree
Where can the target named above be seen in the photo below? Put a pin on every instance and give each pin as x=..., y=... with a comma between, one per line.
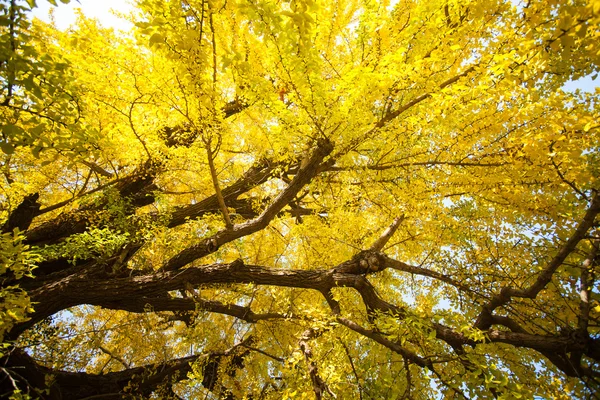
x=302, y=199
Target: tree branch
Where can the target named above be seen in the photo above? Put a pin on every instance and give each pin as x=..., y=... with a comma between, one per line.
x=380, y=243
x=133, y=293
x=360, y=388
x=395, y=347
x=215, y=180
x=305, y=174
x=22, y=216
x=586, y=285
x=485, y=317
x=165, y=303
x=393, y=114
x=318, y=384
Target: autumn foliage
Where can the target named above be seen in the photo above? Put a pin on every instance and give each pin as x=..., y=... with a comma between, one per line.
x=293, y=199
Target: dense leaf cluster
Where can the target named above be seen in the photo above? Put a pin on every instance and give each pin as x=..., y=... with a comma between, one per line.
x=301, y=199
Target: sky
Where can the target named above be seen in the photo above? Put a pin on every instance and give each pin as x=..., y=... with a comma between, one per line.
x=102, y=10
x=65, y=14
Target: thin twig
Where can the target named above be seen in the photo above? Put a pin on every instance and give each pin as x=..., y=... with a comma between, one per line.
x=571, y=184
x=112, y=356
x=213, y=174
x=130, y=118
x=360, y=389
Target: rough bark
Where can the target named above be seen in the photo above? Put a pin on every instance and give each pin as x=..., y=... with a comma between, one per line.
x=22, y=216
x=60, y=286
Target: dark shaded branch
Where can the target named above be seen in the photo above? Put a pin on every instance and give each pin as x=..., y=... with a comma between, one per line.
x=165, y=303
x=264, y=353
x=256, y=175
x=414, y=164
x=81, y=289
x=133, y=293
x=508, y=322
x=400, y=266
x=585, y=289
x=141, y=380
x=22, y=216
x=485, y=317
x=377, y=337
x=234, y=107
x=112, y=385
x=79, y=195
x=304, y=175
x=393, y=114
x=565, y=180
x=137, y=188
x=77, y=221
x=540, y=343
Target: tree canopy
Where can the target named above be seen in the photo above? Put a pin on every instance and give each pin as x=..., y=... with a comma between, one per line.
x=287, y=199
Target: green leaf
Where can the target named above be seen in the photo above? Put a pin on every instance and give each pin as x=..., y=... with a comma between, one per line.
x=36, y=151
x=156, y=38
x=37, y=130
x=7, y=148
x=12, y=130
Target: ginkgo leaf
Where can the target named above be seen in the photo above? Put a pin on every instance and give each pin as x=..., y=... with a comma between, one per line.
x=300, y=199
